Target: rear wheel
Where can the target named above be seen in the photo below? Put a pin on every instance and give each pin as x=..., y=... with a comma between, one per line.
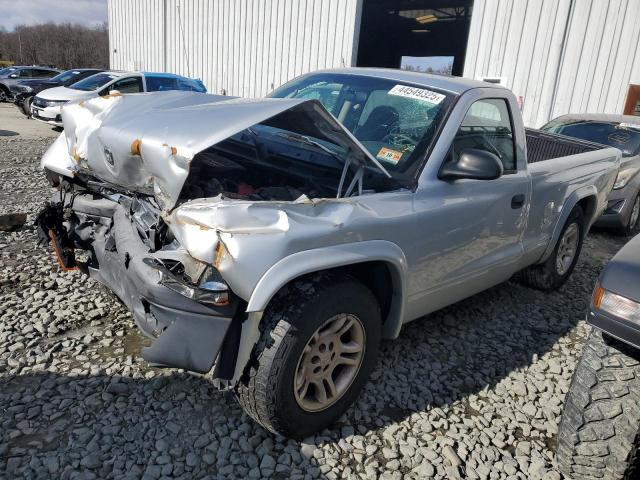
x=555, y=271
x=633, y=225
x=599, y=430
x=319, y=341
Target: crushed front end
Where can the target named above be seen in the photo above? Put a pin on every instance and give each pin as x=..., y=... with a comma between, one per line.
x=183, y=201
x=181, y=303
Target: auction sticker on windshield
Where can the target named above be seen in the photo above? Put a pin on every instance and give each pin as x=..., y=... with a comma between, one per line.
x=389, y=155
x=417, y=94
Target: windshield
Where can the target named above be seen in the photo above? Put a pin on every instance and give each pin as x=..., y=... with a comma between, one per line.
x=94, y=82
x=625, y=137
x=300, y=151
x=65, y=76
x=397, y=123
x=7, y=71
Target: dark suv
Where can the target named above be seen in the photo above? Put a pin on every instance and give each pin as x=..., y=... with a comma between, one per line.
x=24, y=91
x=12, y=75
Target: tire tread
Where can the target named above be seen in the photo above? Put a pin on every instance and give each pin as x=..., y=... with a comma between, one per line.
x=598, y=435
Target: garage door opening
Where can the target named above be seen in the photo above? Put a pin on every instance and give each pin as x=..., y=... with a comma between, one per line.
x=423, y=35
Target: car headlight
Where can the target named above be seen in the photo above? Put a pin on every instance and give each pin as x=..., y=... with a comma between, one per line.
x=55, y=103
x=623, y=178
x=212, y=288
x=615, y=304
x=25, y=88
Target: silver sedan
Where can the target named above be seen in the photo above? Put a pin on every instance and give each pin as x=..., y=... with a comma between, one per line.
x=623, y=132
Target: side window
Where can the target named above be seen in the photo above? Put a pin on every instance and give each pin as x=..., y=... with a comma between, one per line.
x=128, y=85
x=487, y=126
x=43, y=73
x=26, y=73
x=158, y=84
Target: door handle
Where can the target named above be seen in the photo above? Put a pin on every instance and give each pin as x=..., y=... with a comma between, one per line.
x=517, y=201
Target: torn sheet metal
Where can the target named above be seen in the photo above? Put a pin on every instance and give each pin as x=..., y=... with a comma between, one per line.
x=146, y=142
x=228, y=233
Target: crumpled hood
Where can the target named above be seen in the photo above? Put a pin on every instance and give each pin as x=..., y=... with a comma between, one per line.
x=146, y=142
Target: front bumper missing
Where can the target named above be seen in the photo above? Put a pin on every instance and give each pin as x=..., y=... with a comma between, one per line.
x=187, y=334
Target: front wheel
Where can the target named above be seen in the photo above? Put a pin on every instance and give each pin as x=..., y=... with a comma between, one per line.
x=599, y=430
x=26, y=106
x=319, y=341
x=555, y=270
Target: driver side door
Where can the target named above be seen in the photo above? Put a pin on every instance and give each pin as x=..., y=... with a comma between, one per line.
x=470, y=231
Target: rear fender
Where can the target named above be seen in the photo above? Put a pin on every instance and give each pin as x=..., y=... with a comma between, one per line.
x=571, y=201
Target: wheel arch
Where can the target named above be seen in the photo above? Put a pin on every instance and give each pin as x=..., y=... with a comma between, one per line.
x=378, y=264
x=587, y=199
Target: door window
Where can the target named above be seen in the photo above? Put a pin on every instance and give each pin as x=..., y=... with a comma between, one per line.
x=43, y=73
x=127, y=85
x=26, y=73
x=487, y=126
x=158, y=84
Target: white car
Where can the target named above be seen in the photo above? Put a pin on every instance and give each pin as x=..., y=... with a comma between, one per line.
x=47, y=105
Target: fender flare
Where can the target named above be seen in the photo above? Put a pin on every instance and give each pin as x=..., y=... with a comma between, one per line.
x=571, y=201
x=309, y=261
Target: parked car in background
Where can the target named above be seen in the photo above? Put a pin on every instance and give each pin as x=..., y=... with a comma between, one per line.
x=12, y=75
x=47, y=105
x=24, y=91
x=623, y=132
x=599, y=435
x=282, y=238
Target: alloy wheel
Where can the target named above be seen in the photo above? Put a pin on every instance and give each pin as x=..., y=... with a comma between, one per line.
x=567, y=249
x=329, y=362
x=635, y=214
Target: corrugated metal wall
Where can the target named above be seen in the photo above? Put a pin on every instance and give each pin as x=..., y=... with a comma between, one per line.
x=136, y=35
x=245, y=47
x=561, y=56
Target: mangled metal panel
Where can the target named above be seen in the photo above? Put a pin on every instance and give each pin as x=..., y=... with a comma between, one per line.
x=145, y=143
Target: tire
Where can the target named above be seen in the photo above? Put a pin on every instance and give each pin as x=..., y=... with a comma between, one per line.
x=599, y=430
x=633, y=225
x=546, y=275
x=267, y=390
x=4, y=94
x=26, y=106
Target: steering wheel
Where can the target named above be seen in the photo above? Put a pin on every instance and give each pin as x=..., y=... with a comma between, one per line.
x=399, y=140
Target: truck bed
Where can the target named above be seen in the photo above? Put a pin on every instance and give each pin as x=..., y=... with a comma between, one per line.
x=545, y=146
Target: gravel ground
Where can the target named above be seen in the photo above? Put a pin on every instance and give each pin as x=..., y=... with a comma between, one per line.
x=473, y=391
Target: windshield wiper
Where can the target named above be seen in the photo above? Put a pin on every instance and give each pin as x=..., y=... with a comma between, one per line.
x=295, y=137
x=357, y=178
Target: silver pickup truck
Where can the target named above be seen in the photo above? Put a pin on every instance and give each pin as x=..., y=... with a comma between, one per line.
x=273, y=242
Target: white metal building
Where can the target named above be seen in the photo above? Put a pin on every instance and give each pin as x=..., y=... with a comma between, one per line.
x=560, y=56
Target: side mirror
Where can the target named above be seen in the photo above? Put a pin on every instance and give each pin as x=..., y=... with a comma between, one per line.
x=13, y=75
x=473, y=164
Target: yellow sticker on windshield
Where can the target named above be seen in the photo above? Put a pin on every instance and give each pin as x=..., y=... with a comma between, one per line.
x=389, y=155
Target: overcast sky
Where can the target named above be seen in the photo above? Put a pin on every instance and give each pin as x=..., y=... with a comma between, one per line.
x=17, y=12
